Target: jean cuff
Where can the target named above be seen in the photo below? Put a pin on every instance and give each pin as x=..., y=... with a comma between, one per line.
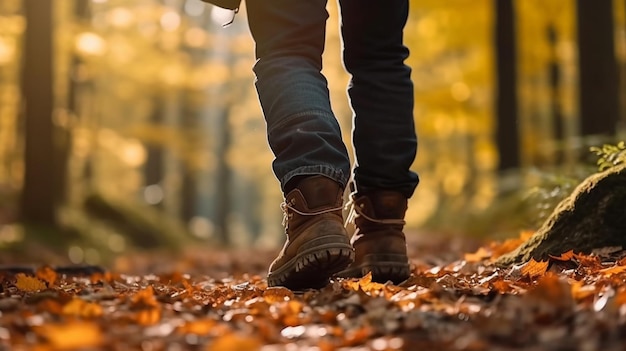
x=325, y=170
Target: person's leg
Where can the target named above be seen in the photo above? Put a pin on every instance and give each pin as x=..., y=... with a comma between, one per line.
x=302, y=129
x=384, y=138
x=311, y=161
x=381, y=94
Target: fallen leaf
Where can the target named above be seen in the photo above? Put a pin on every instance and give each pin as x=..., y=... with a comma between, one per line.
x=71, y=335
x=277, y=294
x=148, y=316
x=235, y=342
x=535, y=268
x=607, y=272
x=552, y=289
x=620, y=297
x=47, y=274
x=580, y=290
x=82, y=308
x=566, y=256
x=144, y=298
x=501, y=248
x=526, y=234
x=28, y=283
x=198, y=327
x=479, y=255
x=501, y=286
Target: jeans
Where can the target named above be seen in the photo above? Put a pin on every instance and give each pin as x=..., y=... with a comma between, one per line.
x=302, y=130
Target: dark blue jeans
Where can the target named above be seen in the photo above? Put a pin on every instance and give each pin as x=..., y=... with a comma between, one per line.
x=302, y=130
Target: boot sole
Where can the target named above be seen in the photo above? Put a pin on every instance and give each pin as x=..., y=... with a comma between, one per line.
x=314, y=267
x=382, y=268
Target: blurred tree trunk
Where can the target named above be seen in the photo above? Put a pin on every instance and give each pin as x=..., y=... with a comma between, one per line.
x=599, y=102
x=43, y=162
x=507, y=137
x=155, y=164
x=223, y=178
x=554, y=74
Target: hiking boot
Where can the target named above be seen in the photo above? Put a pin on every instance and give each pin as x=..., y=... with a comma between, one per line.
x=317, y=244
x=378, y=241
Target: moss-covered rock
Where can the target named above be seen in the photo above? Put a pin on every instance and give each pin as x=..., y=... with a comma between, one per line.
x=593, y=216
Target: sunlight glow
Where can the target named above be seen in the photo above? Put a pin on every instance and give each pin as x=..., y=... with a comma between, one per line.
x=194, y=8
x=153, y=194
x=121, y=17
x=7, y=51
x=90, y=44
x=170, y=21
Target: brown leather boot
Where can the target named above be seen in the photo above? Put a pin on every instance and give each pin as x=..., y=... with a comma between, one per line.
x=378, y=241
x=317, y=243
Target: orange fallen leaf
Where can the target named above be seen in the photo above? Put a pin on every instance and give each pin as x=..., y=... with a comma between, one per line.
x=501, y=286
x=71, y=335
x=82, y=308
x=29, y=283
x=526, y=234
x=588, y=261
x=566, y=256
x=357, y=336
x=148, y=316
x=607, y=272
x=504, y=248
x=553, y=289
x=535, y=268
x=144, y=298
x=277, y=294
x=198, y=327
x=478, y=256
x=365, y=284
x=580, y=290
x=620, y=298
x=235, y=342
x=47, y=274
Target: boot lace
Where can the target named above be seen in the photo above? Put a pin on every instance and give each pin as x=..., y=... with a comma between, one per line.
x=356, y=210
x=286, y=206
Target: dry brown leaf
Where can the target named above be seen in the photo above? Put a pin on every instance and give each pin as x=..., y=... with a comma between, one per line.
x=566, y=256
x=148, y=316
x=480, y=254
x=552, y=289
x=235, y=342
x=620, y=297
x=535, y=268
x=357, y=336
x=71, y=335
x=82, y=308
x=145, y=298
x=364, y=284
x=277, y=294
x=501, y=286
x=607, y=272
x=198, y=327
x=29, y=283
x=588, y=261
x=47, y=274
x=580, y=290
x=499, y=249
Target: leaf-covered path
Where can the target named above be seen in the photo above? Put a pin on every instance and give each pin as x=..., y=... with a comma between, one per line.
x=221, y=302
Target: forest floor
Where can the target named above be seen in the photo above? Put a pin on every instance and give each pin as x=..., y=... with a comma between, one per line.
x=209, y=299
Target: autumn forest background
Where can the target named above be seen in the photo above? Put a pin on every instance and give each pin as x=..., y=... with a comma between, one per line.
x=134, y=125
